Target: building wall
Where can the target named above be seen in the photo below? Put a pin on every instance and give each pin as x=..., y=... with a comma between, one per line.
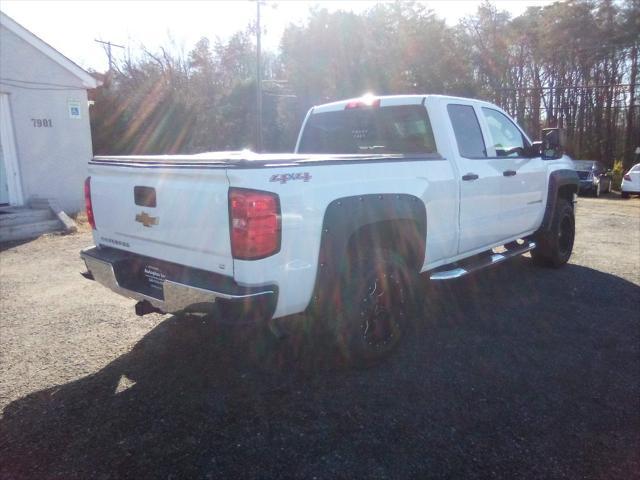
x=53, y=149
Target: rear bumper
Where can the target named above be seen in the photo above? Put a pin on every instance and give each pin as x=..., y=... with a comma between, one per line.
x=183, y=288
x=586, y=186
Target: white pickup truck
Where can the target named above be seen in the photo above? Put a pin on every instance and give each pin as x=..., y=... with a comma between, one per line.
x=379, y=190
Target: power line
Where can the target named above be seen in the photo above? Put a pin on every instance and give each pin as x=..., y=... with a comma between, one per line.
x=591, y=110
x=578, y=87
x=283, y=95
x=109, y=45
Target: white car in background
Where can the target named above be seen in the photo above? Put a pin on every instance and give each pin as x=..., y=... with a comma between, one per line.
x=631, y=182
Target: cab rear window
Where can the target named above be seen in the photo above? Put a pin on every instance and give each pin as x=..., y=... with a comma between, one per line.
x=400, y=129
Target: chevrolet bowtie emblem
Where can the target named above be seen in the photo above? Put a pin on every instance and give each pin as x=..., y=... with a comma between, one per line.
x=147, y=220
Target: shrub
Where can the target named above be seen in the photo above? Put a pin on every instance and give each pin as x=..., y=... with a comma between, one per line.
x=617, y=172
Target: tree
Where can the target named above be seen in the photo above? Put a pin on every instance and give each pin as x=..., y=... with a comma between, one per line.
x=573, y=64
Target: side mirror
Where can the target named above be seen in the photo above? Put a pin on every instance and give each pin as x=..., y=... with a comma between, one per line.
x=552, y=143
x=534, y=150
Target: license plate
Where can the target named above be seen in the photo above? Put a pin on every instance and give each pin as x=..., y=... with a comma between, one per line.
x=155, y=277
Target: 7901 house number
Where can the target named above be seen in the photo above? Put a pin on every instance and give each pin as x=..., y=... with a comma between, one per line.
x=42, y=122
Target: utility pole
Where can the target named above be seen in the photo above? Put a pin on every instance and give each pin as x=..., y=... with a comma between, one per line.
x=109, y=45
x=258, y=81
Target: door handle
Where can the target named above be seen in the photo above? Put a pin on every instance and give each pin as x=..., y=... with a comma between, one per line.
x=509, y=173
x=469, y=176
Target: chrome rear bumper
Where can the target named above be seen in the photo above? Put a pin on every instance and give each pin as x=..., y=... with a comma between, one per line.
x=176, y=296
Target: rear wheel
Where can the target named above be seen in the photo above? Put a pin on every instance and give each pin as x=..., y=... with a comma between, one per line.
x=377, y=294
x=554, y=246
x=624, y=195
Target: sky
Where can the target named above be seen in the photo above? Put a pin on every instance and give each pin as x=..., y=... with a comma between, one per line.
x=73, y=26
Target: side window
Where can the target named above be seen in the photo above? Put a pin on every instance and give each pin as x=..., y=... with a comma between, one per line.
x=467, y=131
x=507, y=139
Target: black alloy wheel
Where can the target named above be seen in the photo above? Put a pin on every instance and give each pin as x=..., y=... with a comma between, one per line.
x=555, y=244
x=382, y=311
x=566, y=235
x=377, y=297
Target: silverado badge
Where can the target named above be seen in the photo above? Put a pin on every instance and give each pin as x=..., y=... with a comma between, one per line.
x=147, y=220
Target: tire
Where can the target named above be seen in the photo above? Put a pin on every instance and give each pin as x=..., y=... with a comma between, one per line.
x=609, y=187
x=596, y=190
x=624, y=195
x=554, y=246
x=377, y=295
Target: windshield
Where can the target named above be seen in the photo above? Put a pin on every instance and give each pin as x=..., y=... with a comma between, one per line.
x=395, y=129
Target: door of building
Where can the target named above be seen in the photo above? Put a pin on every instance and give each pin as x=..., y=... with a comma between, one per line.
x=4, y=186
x=10, y=185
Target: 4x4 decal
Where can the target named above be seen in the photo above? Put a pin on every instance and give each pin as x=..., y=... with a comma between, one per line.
x=285, y=177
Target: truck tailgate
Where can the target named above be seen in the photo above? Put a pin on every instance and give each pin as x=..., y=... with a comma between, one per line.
x=187, y=224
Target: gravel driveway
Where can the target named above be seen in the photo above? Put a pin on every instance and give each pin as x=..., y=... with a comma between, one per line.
x=515, y=372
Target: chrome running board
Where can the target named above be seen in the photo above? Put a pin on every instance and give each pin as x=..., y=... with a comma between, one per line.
x=478, y=262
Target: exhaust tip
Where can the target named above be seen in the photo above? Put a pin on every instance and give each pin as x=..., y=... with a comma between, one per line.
x=88, y=275
x=144, y=306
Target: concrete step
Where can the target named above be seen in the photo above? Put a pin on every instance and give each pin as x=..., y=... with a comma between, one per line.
x=29, y=230
x=9, y=218
x=38, y=202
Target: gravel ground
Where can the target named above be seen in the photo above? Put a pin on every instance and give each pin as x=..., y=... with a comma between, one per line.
x=515, y=372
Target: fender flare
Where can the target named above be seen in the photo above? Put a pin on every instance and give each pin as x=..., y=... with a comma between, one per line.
x=557, y=180
x=344, y=218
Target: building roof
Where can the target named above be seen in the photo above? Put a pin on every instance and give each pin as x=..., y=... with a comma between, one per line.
x=85, y=77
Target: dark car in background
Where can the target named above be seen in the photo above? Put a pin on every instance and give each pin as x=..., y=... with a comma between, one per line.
x=594, y=177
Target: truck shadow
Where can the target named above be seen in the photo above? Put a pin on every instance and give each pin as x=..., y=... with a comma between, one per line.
x=515, y=370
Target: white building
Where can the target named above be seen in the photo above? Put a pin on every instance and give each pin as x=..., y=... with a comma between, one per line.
x=45, y=137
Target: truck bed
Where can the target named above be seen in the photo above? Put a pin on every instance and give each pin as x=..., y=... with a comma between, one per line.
x=248, y=159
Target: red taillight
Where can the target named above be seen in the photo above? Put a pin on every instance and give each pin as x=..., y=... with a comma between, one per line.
x=363, y=103
x=87, y=202
x=627, y=177
x=255, y=223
